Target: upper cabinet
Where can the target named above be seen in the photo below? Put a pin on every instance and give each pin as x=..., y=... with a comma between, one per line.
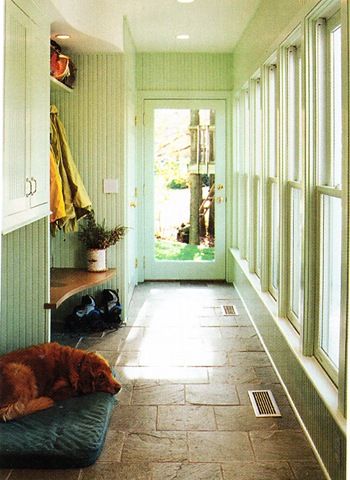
x=26, y=116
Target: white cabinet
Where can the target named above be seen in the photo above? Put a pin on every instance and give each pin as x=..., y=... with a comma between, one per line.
x=26, y=116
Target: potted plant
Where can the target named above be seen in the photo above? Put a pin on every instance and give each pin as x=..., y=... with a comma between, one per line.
x=97, y=238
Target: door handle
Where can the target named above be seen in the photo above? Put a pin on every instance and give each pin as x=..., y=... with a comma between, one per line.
x=219, y=199
x=35, y=184
x=28, y=194
x=132, y=204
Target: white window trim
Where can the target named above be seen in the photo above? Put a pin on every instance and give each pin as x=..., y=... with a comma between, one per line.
x=288, y=177
x=315, y=148
x=307, y=339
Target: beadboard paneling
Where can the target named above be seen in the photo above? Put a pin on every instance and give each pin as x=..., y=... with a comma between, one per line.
x=24, y=287
x=92, y=115
x=327, y=436
x=184, y=71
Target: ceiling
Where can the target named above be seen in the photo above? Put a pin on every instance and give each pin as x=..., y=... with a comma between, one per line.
x=212, y=25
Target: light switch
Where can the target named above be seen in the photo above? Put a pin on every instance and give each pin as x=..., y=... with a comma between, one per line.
x=110, y=185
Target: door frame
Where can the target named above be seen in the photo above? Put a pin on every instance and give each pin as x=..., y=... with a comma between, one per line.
x=188, y=96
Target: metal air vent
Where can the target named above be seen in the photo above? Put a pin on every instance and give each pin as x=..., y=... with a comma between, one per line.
x=228, y=310
x=264, y=403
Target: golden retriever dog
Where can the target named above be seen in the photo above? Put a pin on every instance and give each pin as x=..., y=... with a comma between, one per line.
x=32, y=379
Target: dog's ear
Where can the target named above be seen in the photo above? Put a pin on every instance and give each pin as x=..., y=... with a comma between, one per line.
x=86, y=380
x=75, y=367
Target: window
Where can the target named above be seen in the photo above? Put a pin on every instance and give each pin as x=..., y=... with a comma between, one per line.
x=243, y=167
x=271, y=179
x=256, y=176
x=293, y=215
x=292, y=179
x=328, y=190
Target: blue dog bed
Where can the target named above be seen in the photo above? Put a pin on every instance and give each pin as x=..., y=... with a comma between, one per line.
x=71, y=434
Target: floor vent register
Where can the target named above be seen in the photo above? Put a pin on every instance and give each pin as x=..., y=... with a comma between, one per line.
x=228, y=310
x=264, y=403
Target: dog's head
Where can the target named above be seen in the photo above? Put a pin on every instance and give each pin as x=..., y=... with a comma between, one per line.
x=95, y=375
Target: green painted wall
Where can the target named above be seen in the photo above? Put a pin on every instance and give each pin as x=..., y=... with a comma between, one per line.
x=327, y=436
x=94, y=117
x=130, y=167
x=25, y=280
x=273, y=20
x=92, y=114
x=184, y=71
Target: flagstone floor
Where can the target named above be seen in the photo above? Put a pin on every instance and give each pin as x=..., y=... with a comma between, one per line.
x=184, y=412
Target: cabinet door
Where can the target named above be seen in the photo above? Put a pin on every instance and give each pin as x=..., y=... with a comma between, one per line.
x=16, y=113
x=39, y=81
x=26, y=119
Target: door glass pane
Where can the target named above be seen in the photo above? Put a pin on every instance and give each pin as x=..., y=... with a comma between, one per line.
x=184, y=171
x=331, y=277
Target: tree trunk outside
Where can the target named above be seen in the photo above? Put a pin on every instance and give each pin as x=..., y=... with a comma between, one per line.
x=196, y=199
x=211, y=224
x=195, y=181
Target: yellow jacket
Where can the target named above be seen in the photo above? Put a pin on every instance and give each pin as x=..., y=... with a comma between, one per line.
x=76, y=199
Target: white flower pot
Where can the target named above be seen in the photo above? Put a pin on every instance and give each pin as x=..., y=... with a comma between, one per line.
x=96, y=260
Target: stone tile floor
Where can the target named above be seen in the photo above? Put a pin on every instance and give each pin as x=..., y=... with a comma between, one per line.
x=184, y=412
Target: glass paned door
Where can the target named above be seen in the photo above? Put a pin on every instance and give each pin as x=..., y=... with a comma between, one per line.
x=184, y=189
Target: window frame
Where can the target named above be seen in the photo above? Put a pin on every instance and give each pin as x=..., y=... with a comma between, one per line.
x=255, y=174
x=313, y=142
x=291, y=174
x=270, y=173
x=242, y=172
x=324, y=170
x=316, y=149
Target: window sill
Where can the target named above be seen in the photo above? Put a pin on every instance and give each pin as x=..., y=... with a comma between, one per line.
x=322, y=383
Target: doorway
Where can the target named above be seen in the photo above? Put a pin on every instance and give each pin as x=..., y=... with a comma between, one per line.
x=184, y=211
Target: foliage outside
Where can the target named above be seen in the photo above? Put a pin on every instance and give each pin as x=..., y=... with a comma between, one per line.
x=168, y=250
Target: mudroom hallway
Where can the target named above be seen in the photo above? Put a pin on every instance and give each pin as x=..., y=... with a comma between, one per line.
x=184, y=412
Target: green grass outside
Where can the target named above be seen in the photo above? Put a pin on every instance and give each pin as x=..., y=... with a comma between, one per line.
x=167, y=250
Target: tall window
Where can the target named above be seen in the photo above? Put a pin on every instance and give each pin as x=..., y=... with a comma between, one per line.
x=243, y=168
x=292, y=92
x=256, y=175
x=329, y=190
x=271, y=168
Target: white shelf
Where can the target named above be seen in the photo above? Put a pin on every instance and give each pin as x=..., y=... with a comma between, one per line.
x=56, y=84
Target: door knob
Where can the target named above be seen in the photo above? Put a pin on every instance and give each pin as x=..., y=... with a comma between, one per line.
x=220, y=199
x=132, y=204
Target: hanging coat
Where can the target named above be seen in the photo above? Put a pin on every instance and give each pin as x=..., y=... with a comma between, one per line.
x=57, y=207
x=76, y=199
